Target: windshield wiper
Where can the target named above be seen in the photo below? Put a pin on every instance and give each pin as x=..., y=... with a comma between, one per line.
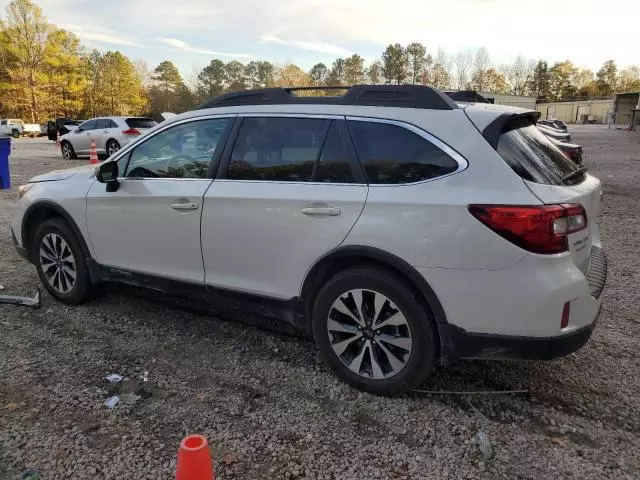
x=570, y=175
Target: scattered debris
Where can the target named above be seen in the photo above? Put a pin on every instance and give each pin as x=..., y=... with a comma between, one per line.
x=30, y=474
x=111, y=402
x=230, y=458
x=129, y=398
x=562, y=441
x=114, y=378
x=24, y=301
x=145, y=376
x=479, y=392
x=14, y=406
x=1, y=287
x=484, y=444
x=476, y=410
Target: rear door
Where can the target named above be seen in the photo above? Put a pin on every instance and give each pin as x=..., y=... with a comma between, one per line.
x=288, y=191
x=102, y=133
x=554, y=179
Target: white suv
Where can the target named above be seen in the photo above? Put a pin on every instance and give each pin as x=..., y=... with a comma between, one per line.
x=398, y=228
x=109, y=133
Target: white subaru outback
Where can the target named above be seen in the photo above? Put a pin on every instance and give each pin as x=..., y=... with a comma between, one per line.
x=397, y=227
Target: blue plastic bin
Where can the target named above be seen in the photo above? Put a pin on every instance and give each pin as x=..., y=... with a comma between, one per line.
x=5, y=150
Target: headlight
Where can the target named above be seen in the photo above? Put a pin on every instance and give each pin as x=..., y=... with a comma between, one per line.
x=22, y=189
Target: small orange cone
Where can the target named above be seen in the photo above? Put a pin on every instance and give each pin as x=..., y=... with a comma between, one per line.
x=93, y=153
x=57, y=138
x=194, y=459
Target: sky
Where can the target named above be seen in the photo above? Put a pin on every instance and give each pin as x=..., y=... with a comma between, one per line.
x=193, y=32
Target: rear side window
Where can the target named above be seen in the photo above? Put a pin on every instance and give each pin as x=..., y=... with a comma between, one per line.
x=103, y=123
x=141, y=122
x=393, y=154
x=534, y=157
x=334, y=166
x=277, y=149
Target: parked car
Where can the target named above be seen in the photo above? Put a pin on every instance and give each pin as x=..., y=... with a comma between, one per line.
x=61, y=126
x=555, y=134
x=571, y=150
x=109, y=133
x=11, y=127
x=557, y=124
x=395, y=227
x=31, y=130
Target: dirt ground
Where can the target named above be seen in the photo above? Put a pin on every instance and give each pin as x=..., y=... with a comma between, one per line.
x=271, y=409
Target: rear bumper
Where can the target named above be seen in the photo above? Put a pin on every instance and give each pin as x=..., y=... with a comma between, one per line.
x=467, y=345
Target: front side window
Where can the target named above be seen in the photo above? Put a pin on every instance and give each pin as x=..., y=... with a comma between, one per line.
x=393, y=154
x=277, y=149
x=182, y=151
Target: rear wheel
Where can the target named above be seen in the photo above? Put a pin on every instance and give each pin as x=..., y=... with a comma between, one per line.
x=374, y=331
x=15, y=133
x=112, y=147
x=67, y=151
x=60, y=263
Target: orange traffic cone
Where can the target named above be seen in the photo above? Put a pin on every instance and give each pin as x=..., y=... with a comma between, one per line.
x=194, y=459
x=57, y=138
x=93, y=153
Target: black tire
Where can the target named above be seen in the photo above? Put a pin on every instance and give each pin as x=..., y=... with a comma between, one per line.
x=15, y=133
x=67, y=151
x=82, y=289
x=112, y=147
x=419, y=320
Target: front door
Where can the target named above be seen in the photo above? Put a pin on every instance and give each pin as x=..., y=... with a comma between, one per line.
x=291, y=190
x=81, y=137
x=151, y=224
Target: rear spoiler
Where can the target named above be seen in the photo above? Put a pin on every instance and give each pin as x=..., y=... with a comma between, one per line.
x=492, y=131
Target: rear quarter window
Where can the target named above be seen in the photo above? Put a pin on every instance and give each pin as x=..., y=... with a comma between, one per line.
x=533, y=156
x=392, y=154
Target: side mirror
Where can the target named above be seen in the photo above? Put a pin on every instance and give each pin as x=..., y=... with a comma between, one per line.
x=107, y=173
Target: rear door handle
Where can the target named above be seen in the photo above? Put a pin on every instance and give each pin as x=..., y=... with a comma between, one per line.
x=328, y=211
x=185, y=206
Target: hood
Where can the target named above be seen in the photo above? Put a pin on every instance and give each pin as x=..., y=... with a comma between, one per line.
x=88, y=170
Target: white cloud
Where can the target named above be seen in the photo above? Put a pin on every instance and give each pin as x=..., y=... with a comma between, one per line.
x=319, y=47
x=103, y=35
x=184, y=46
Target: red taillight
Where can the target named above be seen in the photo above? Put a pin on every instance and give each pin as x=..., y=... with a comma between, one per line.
x=566, y=311
x=536, y=228
x=131, y=131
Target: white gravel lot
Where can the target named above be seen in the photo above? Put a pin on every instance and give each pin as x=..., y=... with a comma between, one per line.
x=271, y=409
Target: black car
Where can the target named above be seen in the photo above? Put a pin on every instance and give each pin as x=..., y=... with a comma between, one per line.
x=573, y=151
x=60, y=125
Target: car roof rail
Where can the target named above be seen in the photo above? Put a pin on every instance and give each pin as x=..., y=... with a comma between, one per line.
x=406, y=96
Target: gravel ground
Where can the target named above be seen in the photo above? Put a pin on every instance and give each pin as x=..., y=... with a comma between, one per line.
x=270, y=409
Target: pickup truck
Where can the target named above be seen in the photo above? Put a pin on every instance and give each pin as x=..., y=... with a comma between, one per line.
x=31, y=130
x=11, y=126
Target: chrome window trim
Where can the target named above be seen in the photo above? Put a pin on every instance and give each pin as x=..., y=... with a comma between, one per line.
x=459, y=159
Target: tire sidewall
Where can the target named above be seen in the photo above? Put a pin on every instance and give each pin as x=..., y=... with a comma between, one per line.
x=423, y=351
x=112, y=142
x=71, y=150
x=82, y=288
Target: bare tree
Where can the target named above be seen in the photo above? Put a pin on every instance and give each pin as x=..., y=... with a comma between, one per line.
x=463, y=63
x=143, y=72
x=517, y=75
x=442, y=71
x=481, y=64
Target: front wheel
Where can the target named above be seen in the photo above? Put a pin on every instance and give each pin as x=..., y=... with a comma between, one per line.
x=67, y=151
x=112, y=147
x=60, y=262
x=374, y=331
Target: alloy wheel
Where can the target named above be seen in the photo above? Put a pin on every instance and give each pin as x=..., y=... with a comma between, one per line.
x=58, y=263
x=66, y=151
x=112, y=148
x=369, y=334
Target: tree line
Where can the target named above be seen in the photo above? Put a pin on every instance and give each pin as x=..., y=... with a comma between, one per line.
x=45, y=73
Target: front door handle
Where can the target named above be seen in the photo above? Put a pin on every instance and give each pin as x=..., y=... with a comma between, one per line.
x=328, y=211
x=185, y=206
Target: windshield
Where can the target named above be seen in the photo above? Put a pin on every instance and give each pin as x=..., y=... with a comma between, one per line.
x=534, y=157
